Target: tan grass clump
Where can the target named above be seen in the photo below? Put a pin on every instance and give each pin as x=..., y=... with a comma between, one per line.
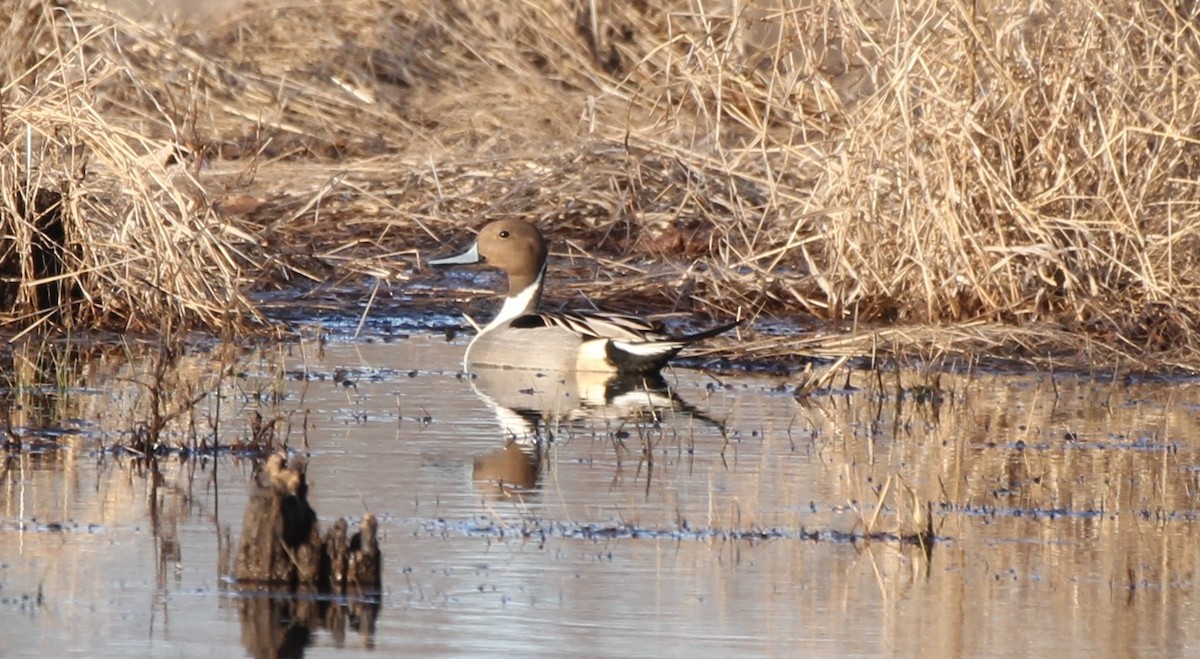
x=923, y=163
x=125, y=237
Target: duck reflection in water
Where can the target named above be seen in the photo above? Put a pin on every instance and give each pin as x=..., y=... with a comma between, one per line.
x=536, y=409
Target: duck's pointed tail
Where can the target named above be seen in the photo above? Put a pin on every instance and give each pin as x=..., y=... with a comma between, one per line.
x=648, y=356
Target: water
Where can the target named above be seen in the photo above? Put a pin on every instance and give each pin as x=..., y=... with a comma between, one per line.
x=1063, y=509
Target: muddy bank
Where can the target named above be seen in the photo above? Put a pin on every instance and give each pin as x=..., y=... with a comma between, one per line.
x=698, y=190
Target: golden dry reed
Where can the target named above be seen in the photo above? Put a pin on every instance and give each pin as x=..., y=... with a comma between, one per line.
x=1028, y=170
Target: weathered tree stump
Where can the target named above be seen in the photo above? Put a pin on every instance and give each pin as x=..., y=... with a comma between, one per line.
x=282, y=545
x=282, y=542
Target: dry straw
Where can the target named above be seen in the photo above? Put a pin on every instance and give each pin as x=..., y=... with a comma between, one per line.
x=1025, y=173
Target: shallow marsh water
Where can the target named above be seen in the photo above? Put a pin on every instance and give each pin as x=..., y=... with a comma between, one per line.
x=1063, y=507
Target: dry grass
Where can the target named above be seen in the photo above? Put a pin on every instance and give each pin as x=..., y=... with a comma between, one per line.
x=1027, y=172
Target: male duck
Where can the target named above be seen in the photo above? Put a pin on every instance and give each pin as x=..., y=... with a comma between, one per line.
x=520, y=336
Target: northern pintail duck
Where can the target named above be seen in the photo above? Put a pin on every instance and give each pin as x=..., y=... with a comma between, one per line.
x=521, y=336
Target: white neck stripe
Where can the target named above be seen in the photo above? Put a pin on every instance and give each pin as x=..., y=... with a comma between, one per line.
x=518, y=305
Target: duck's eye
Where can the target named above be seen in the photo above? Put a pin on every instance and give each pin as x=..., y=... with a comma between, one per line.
x=504, y=234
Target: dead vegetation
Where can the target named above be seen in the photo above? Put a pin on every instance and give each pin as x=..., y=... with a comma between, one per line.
x=164, y=398
x=1026, y=172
